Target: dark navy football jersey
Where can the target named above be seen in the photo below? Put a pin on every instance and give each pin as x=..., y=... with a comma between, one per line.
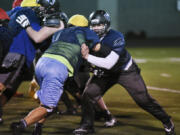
x=116, y=42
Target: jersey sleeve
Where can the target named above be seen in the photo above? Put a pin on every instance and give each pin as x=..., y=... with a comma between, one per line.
x=116, y=41
x=92, y=38
x=80, y=35
x=119, y=45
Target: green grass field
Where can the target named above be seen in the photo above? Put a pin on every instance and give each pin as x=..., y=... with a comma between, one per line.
x=160, y=68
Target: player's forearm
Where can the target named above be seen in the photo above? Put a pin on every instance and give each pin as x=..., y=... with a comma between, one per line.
x=43, y=33
x=107, y=62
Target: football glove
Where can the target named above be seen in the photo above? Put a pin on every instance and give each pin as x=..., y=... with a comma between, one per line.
x=97, y=71
x=23, y=21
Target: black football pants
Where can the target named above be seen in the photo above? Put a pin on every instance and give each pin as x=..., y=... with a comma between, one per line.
x=132, y=81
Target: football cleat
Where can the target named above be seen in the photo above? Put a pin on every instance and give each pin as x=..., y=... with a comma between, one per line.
x=38, y=129
x=16, y=128
x=83, y=130
x=110, y=123
x=169, y=129
x=1, y=120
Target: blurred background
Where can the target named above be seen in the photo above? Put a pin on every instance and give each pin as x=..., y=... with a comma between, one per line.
x=137, y=19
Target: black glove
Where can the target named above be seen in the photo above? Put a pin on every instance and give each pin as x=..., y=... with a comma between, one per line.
x=97, y=71
x=23, y=21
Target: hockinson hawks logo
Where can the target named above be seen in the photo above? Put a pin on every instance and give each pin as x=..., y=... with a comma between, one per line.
x=51, y=2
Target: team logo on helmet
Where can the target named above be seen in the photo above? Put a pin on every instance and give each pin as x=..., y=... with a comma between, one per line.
x=51, y=2
x=106, y=15
x=95, y=21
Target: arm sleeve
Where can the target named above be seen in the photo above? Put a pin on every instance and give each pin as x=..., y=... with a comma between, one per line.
x=108, y=62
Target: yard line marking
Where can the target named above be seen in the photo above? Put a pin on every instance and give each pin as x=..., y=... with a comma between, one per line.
x=174, y=59
x=163, y=89
x=162, y=60
x=140, y=60
x=165, y=75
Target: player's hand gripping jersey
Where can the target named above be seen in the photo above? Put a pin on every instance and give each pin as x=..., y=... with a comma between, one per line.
x=67, y=43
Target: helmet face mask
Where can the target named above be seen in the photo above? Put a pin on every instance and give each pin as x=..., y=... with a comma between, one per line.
x=100, y=29
x=40, y=12
x=47, y=7
x=101, y=19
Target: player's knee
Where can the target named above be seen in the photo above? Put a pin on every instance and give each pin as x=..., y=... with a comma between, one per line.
x=88, y=92
x=50, y=110
x=89, y=95
x=92, y=91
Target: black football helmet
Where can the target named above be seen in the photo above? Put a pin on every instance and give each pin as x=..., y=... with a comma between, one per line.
x=63, y=16
x=49, y=4
x=47, y=8
x=53, y=20
x=99, y=17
